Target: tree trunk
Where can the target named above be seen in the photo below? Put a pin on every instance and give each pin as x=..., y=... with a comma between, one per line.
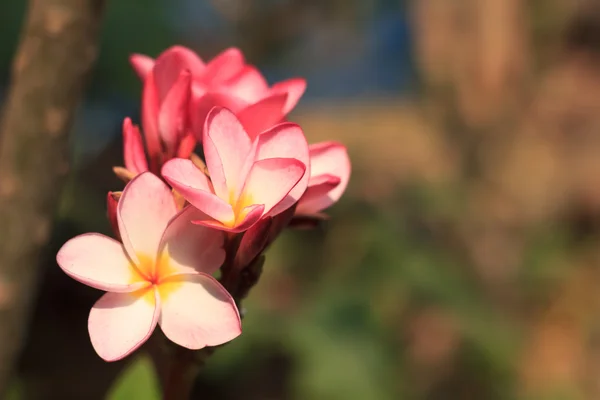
x=57, y=50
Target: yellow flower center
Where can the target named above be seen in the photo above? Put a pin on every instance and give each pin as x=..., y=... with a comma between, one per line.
x=157, y=275
x=239, y=208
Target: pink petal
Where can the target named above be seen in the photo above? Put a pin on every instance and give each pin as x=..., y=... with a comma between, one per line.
x=270, y=180
x=279, y=223
x=142, y=65
x=119, y=323
x=317, y=194
x=324, y=179
x=294, y=88
x=145, y=209
x=150, y=107
x=202, y=102
x=170, y=64
x=100, y=262
x=326, y=159
x=249, y=85
x=226, y=147
x=263, y=115
x=192, y=248
x=186, y=146
x=223, y=67
x=195, y=187
x=286, y=140
x=172, y=116
x=250, y=216
x=198, y=312
x=253, y=243
x=187, y=59
x=135, y=158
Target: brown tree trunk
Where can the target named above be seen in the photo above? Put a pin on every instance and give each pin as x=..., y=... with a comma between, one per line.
x=58, y=47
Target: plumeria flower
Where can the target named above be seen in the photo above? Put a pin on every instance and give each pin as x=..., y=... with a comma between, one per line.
x=165, y=121
x=160, y=274
x=329, y=176
x=229, y=82
x=249, y=179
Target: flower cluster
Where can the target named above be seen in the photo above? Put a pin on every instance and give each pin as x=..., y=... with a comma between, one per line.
x=182, y=217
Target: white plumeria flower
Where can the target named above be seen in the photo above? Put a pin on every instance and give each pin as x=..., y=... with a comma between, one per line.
x=160, y=274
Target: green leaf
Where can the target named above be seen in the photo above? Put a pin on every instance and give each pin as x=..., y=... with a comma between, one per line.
x=15, y=390
x=138, y=381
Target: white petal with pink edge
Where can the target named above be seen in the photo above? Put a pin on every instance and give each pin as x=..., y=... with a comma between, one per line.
x=226, y=146
x=329, y=158
x=145, y=209
x=119, y=323
x=286, y=140
x=193, y=248
x=195, y=187
x=317, y=196
x=100, y=262
x=269, y=182
x=247, y=218
x=197, y=312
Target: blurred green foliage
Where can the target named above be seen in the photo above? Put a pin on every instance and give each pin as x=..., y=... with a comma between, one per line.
x=388, y=300
x=138, y=381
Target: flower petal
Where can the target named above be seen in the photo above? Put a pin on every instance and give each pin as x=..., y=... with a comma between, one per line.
x=326, y=159
x=202, y=102
x=135, y=158
x=193, y=248
x=145, y=209
x=249, y=216
x=198, y=312
x=316, y=196
x=249, y=85
x=260, y=116
x=226, y=146
x=172, y=116
x=186, y=59
x=224, y=66
x=286, y=140
x=186, y=146
x=142, y=65
x=270, y=180
x=253, y=243
x=100, y=262
x=195, y=187
x=294, y=88
x=171, y=63
x=119, y=323
x=150, y=107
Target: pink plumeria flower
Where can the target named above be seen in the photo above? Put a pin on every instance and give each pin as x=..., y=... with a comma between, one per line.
x=161, y=274
x=249, y=179
x=228, y=81
x=165, y=111
x=135, y=156
x=329, y=176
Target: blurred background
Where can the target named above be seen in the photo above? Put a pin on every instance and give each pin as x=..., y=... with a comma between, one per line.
x=463, y=261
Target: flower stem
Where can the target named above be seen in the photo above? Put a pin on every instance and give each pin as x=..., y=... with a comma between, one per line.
x=180, y=375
